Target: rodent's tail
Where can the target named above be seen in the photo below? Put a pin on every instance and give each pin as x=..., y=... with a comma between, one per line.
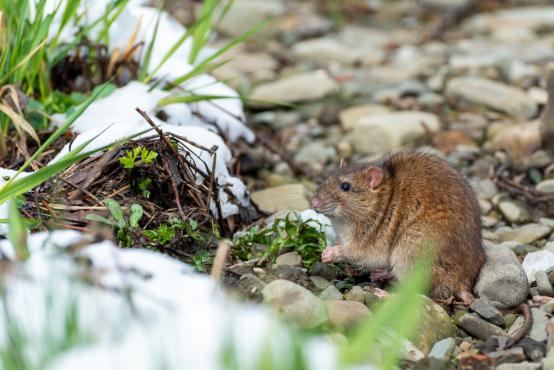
x=527, y=323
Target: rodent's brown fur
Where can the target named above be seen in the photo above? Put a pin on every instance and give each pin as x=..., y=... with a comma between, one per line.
x=421, y=201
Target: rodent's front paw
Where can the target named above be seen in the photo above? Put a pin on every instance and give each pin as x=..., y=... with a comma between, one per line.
x=329, y=255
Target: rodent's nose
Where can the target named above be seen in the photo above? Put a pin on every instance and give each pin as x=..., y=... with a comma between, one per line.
x=316, y=202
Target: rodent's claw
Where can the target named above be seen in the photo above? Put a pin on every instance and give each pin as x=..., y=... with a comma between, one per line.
x=329, y=255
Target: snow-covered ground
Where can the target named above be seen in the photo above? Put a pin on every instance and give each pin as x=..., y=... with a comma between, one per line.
x=135, y=309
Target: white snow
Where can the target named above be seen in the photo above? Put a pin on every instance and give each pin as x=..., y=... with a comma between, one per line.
x=324, y=221
x=226, y=114
x=537, y=261
x=138, y=310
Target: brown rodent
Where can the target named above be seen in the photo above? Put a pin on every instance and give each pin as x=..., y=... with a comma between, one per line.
x=386, y=213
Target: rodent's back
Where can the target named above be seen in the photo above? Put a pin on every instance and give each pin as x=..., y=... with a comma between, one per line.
x=439, y=204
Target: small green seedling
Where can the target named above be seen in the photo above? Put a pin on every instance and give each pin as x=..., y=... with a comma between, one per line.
x=143, y=186
x=201, y=260
x=166, y=232
x=304, y=236
x=162, y=235
x=137, y=156
x=118, y=221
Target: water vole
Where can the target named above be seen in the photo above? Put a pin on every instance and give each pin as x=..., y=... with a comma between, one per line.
x=385, y=214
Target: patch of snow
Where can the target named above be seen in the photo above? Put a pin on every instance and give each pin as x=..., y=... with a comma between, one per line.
x=119, y=107
x=226, y=114
x=140, y=310
x=537, y=261
x=5, y=175
x=107, y=135
x=324, y=221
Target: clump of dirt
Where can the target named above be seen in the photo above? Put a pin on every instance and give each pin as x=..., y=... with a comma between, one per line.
x=90, y=65
x=179, y=198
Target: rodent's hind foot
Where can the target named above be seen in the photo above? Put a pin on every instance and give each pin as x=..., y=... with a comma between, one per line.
x=466, y=297
x=331, y=254
x=384, y=276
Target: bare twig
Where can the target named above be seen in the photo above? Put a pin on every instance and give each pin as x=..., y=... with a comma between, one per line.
x=223, y=249
x=175, y=190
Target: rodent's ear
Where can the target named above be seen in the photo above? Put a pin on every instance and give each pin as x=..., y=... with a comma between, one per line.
x=342, y=163
x=374, y=177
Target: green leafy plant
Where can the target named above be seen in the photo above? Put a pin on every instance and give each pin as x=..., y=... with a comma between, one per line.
x=119, y=222
x=137, y=156
x=143, y=186
x=304, y=236
x=201, y=260
x=162, y=235
x=166, y=232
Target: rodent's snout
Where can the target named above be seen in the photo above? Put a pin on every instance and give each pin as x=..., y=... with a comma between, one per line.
x=316, y=203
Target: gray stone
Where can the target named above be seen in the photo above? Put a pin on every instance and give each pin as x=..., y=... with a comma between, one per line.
x=298, y=275
x=502, y=279
x=324, y=270
x=351, y=116
x=316, y=151
x=434, y=324
x=531, y=17
x=486, y=310
x=386, y=131
x=549, y=247
x=320, y=283
x=296, y=303
x=281, y=198
x=538, y=330
x=512, y=210
x=485, y=188
x=511, y=355
x=251, y=285
x=528, y=233
x=305, y=86
x=548, y=361
x=371, y=298
x=547, y=222
x=290, y=258
x=543, y=284
x=520, y=366
x=331, y=293
x=245, y=14
x=546, y=186
x=346, y=314
x=443, y=349
x=478, y=327
x=485, y=206
x=538, y=261
x=484, y=92
x=356, y=294
x=327, y=50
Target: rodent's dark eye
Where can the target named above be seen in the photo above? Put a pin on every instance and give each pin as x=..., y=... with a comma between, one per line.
x=345, y=186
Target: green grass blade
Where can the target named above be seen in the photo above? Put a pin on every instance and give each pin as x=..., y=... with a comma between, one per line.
x=17, y=233
x=148, y=55
x=59, y=131
x=201, y=67
x=172, y=50
x=200, y=35
x=398, y=314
